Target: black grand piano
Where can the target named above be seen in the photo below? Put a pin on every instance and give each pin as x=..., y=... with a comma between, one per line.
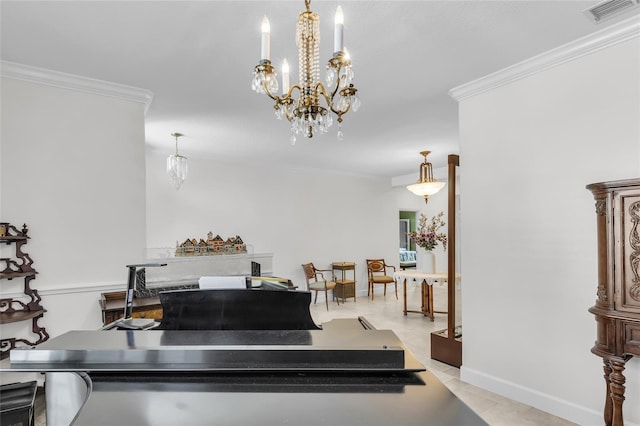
x=239, y=357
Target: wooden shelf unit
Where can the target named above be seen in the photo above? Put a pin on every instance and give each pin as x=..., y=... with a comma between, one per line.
x=15, y=309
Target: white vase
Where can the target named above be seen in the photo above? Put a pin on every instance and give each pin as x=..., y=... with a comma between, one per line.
x=425, y=261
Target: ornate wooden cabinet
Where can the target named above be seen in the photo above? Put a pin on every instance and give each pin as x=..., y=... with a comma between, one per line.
x=617, y=308
x=19, y=309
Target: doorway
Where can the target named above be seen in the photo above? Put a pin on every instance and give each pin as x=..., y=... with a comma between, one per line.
x=406, y=224
x=405, y=228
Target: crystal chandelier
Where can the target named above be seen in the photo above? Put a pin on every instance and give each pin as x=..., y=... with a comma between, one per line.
x=177, y=166
x=306, y=114
x=427, y=185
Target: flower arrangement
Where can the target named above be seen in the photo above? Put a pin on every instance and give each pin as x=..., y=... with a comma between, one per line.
x=427, y=235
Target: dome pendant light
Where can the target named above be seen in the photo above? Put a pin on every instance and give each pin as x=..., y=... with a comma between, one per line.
x=426, y=185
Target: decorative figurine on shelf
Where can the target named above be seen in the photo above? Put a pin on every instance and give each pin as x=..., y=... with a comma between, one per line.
x=212, y=246
x=235, y=245
x=216, y=243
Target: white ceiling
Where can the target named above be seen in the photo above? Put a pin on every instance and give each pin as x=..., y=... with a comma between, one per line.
x=197, y=57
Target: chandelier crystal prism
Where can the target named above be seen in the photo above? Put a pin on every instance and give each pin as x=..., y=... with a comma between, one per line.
x=177, y=166
x=306, y=114
x=427, y=184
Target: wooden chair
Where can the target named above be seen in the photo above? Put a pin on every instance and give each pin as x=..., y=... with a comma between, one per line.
x=377, y=271
x=314, y=284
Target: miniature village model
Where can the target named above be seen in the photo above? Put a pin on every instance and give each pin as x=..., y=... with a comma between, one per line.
x=212, y=246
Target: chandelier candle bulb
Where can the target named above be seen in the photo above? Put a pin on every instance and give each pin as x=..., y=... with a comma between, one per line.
x=265, y=51
x=285, y=77
x=345, y=78
x=338, y=30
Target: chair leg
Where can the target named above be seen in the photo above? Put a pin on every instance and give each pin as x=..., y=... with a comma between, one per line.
x=396, y=283
x=385, y=289
x=326, y=298
x=316, y=298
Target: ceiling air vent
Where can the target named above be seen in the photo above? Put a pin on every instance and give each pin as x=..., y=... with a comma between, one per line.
x=608, y=8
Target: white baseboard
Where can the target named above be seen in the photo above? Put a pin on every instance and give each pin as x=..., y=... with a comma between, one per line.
x=550, y=404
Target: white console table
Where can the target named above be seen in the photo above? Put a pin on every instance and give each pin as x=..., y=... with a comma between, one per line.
x=427, y=280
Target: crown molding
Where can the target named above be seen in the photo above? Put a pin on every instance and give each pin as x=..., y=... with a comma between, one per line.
x=75, y=82
x=614, y=34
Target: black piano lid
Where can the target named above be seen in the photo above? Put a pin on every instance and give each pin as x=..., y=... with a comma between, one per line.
x=236, y=309
x=335, y=349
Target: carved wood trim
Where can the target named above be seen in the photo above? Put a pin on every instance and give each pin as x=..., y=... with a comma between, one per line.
x=608, y=405
x=602, y=293
x=617, y=388
x=634, y=257
x=601, y=212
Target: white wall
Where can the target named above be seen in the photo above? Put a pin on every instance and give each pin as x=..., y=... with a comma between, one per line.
x=528, y=149
x=72, y=169
x=299, y=216
x=87, y=217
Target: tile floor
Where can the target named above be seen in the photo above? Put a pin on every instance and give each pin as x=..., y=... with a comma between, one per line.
x=385, y=312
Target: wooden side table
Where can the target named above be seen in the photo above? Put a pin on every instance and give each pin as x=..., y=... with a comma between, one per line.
x=345, y=287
